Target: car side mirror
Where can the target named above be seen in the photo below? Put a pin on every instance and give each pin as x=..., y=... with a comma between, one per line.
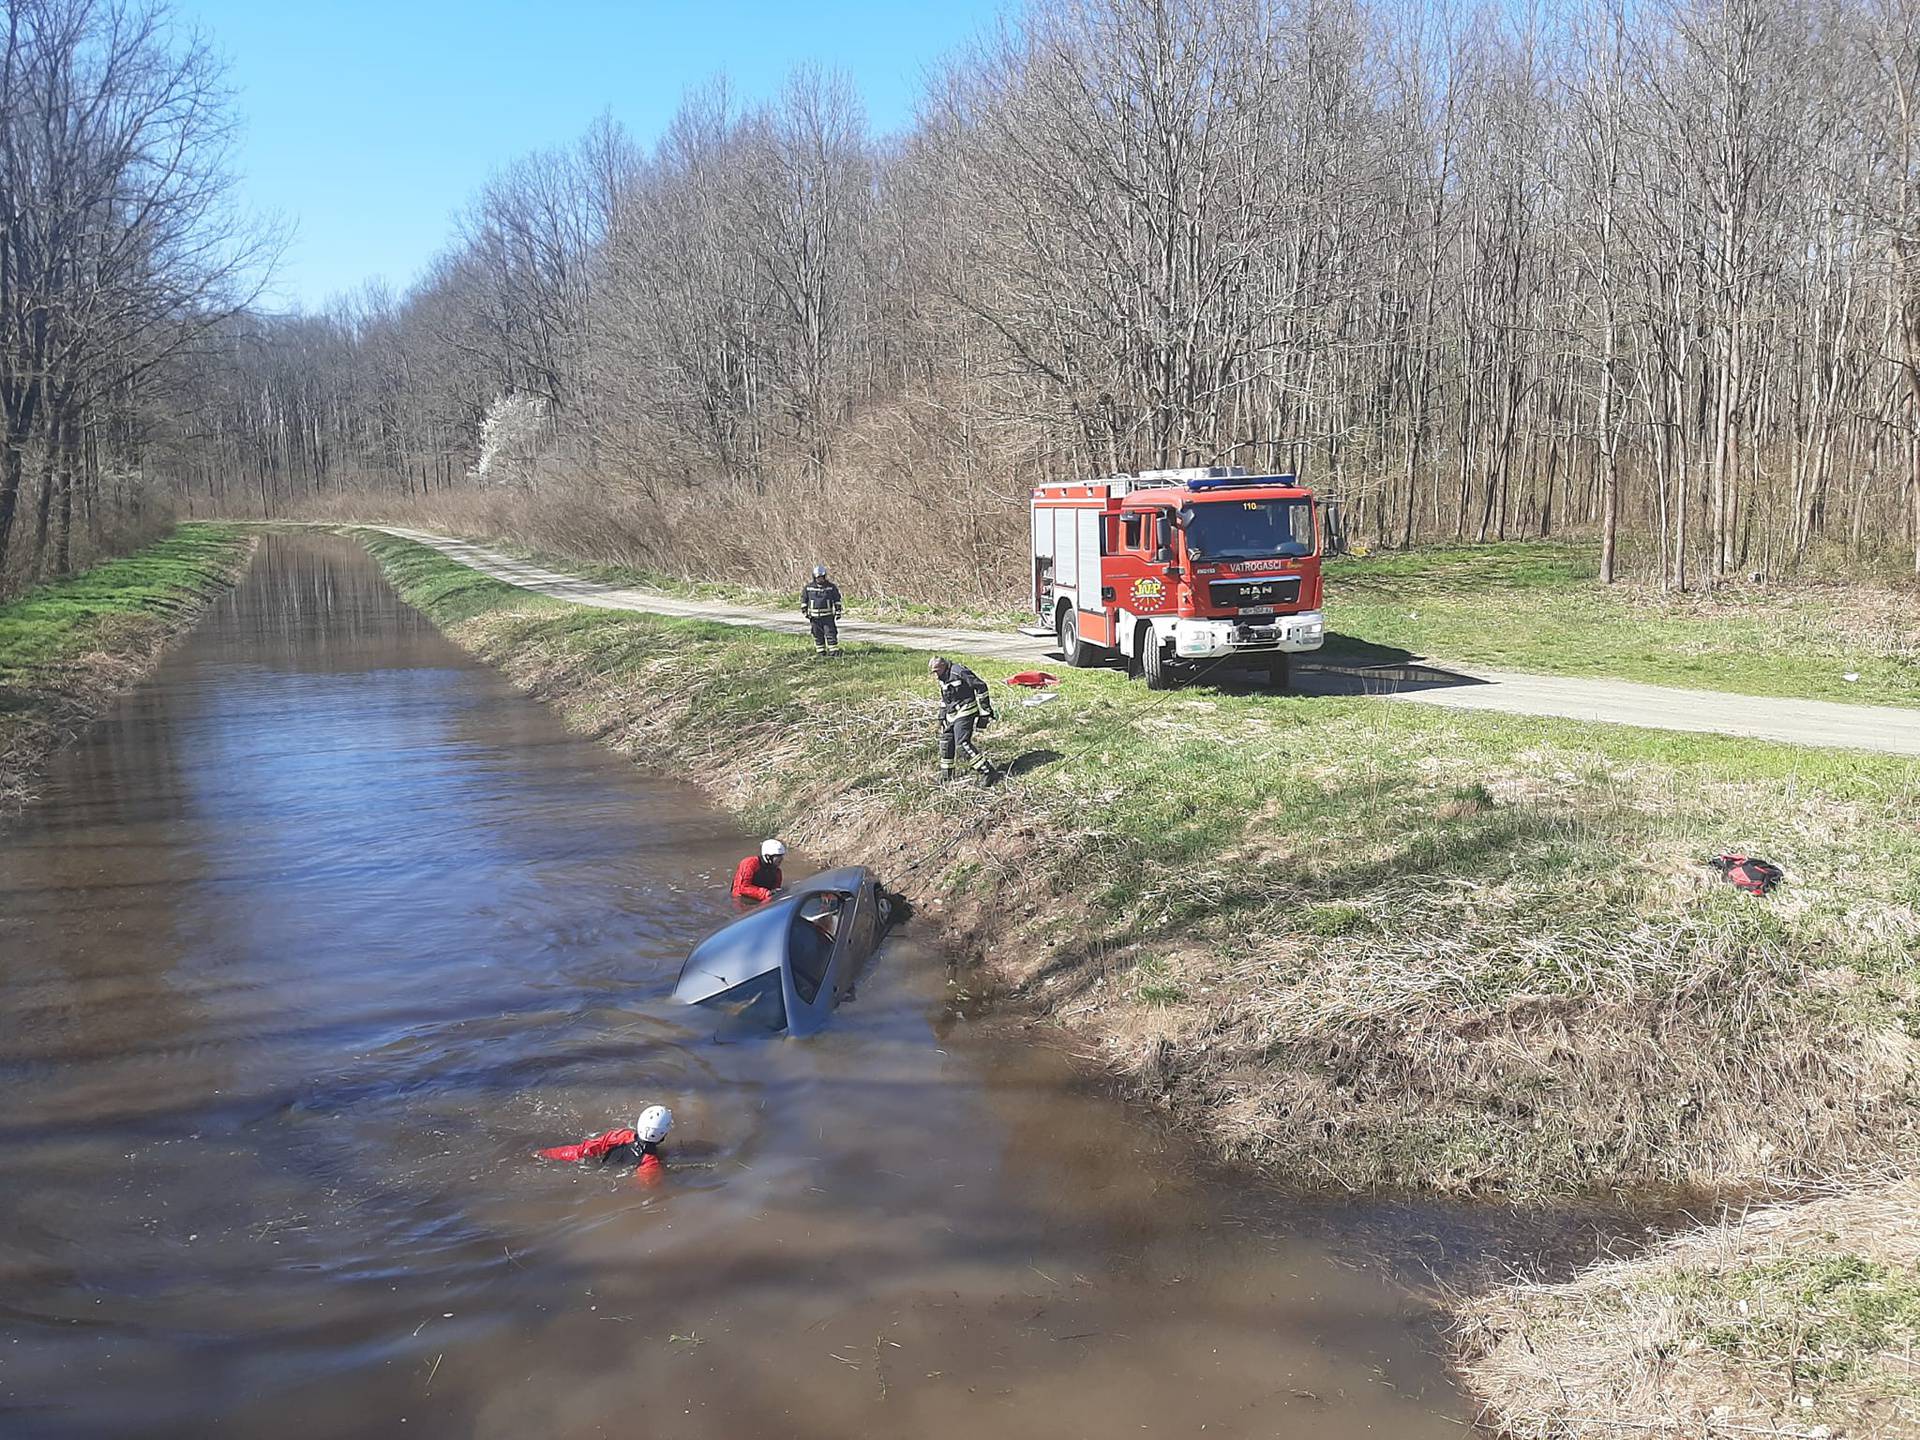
x=1164, y=555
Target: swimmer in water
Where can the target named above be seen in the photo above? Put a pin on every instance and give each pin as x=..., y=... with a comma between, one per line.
x=639, y=1147
x=757, y=879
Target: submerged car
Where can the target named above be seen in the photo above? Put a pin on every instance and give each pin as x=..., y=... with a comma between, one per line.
x=789, y=963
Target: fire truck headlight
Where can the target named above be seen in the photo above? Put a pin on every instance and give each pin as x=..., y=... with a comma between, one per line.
x=1200, y=638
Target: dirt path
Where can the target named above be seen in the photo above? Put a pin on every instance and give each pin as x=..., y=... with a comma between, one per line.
x=1614, y=702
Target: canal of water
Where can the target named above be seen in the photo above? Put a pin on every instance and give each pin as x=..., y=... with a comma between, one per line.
x=316, y=938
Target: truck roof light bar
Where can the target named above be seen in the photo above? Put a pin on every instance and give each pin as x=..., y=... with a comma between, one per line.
x=1229, y=482
x=1190, y=474
x=1211, y=477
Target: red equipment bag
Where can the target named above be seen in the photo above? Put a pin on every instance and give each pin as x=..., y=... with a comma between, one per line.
x=1756, y=877
x=1033, y=679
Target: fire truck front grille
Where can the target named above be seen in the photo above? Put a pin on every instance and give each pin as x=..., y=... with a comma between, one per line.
x=1253, y=594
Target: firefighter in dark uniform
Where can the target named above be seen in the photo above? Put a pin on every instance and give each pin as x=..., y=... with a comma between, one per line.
x=966, y=705
x=820, y=603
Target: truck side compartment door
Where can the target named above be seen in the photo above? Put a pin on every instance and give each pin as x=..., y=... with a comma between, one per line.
x=1096, y=622
x=1042, y=561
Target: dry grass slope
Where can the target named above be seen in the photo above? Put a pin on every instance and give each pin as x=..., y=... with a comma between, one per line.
x=1791, y=1322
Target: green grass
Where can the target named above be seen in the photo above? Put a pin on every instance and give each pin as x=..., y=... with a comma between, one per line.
x=1389, y=944
x=57, y=624
x=446, y=589
x=67, y=648
x=1537, y=607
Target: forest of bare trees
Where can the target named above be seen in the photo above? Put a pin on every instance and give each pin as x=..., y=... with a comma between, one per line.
x=119, y=258
x=1649, y=272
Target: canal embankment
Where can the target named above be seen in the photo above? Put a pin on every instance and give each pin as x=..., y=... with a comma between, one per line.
x=1357, y=948
x=68, y=649
x=1354, y=947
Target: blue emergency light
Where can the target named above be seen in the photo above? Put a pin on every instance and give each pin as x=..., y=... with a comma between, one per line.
x=1234, y=482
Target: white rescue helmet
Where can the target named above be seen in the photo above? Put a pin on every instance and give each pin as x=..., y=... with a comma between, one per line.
x=819, y=572
x=654, y=1123
x=772, y=851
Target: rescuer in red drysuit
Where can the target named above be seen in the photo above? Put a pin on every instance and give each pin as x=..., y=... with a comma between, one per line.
x=639, y=1147
x=758, y=876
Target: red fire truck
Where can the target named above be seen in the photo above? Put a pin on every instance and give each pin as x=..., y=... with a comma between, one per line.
x=1171, y=569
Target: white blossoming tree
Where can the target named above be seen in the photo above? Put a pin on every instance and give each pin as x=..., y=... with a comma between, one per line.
x=510, y=440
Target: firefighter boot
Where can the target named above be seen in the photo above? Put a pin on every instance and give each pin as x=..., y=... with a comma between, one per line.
x=946, y=771
x=983, y=772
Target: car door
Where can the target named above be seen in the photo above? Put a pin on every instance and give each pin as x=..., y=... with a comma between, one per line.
x=859, y=935
x=817, y=940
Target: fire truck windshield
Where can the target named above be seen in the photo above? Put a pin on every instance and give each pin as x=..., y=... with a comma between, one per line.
x=1249, y=529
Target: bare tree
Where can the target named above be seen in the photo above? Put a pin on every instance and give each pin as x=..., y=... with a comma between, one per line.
x=1645, y=272
x=119, y=251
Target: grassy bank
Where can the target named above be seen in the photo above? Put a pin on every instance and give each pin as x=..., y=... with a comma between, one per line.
x=1356, y=945
x=1352, y=944
x=66, y=650
x=1792, y=1322
x=1537, y=607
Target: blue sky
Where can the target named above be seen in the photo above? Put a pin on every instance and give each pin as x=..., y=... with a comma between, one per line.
x=368, y=125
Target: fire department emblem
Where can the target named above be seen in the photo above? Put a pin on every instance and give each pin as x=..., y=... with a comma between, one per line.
x=1149, y=592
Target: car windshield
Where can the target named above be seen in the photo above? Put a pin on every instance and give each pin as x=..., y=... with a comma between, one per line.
x=753, y=1005
x=1249, y=529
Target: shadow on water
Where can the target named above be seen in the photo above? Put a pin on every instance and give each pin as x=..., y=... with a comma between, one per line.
x=326, y=929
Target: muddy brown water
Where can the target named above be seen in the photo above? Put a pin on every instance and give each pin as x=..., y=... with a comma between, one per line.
x=325, y=929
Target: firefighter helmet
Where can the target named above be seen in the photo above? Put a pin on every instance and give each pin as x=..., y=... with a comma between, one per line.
x=654, y=1123
x=772, y=850
x=819, y=572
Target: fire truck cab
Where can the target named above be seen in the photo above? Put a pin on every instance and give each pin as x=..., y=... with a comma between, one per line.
x=1170, y=569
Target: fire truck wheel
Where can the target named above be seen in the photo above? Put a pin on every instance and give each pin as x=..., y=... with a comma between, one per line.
x=1073, y=650
x=1153, y=665
x=1280, y=672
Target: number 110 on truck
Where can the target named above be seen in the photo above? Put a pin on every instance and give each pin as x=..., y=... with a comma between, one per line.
x=1179, y=572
